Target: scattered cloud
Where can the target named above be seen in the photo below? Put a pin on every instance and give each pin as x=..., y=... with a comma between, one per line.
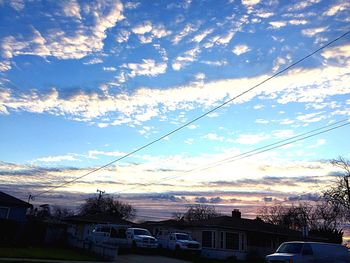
x=148, y=67
x=278, y=24
x=213, y=137
x=240, y=49
x=59, y=158
x=188, y=29
x=310, y=32
x=333, y=10
x=251, y=138
x=71, y=8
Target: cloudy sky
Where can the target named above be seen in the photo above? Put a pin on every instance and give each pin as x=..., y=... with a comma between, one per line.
x=84, y=83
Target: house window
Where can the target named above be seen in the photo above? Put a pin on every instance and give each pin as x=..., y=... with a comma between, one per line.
x=221, y=239
x=4, y=212
x=208, y=239
x=232, y=241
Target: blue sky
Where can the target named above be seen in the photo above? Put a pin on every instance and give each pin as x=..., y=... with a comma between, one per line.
x=85, y=82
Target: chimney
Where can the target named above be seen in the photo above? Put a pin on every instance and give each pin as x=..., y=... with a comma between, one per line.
x=236, y=213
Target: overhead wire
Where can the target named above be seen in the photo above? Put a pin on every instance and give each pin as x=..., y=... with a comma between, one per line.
x=197, y=118
x=251, y=153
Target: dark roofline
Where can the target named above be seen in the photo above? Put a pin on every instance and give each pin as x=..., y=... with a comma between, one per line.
x=9, y=200
x=103, y=218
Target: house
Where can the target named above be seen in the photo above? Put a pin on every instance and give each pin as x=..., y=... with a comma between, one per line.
x=12, y=208
x=230, y=236
x=12, y=218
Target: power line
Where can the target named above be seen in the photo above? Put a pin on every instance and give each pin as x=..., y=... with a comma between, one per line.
x=197, y=118
x=269, y=147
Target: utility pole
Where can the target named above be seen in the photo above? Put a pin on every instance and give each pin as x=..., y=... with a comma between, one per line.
x=100, y=193
x=30, y=197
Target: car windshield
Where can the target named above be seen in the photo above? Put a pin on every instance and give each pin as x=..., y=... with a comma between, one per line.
x=142, y=232
x=293, y=248
x=182, y=237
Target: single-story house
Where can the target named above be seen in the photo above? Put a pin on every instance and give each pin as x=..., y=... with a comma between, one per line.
x=230, y=236
x=12, y=218
x=12, y=208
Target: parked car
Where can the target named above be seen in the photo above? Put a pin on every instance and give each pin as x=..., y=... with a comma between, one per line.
x=181, y=242
x=109, y=234
x=309, y=252
x=140, y=237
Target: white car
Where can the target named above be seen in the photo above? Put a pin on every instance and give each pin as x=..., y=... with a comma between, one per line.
x=181, y=242
x=140, y=238
x=309, y=252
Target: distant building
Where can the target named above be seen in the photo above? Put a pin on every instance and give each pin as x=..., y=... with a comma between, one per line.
x=12, y=208
x=230, y=236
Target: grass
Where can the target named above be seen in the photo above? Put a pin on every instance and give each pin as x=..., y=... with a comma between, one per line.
x=47, y=253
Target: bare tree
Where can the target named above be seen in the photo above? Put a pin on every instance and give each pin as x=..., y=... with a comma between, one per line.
x=339, y=193
x=61, y=212
x=105, y=204
x=197, y=212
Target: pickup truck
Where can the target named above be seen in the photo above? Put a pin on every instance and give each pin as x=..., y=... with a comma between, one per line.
x=180, y=242
x=140, y=238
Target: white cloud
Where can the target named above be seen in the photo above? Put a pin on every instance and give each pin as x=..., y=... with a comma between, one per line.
x=71, y=8
x=297, y=22
x=148, y=67
x=187, y=57
x=224, y=40
x=262, y=121
x=278, y=24
x=337, y=8
x=313, y=85
x=240, y=49
x=18, y=5
x=188, y=29
x=277, y=63
x=93, y=61
x=214, y=63
x=264, y=14
x=250, y=2
x=213, y=137
x=58, y=158
x=5, y=65
x=122, y=36
x=143, y=28
x=302, y=5
x=93, y=154
x=75, y=44
x=310, y=32
x=198, y=38
x=109, y=69
x=251, y=138
x=339, y=53
x=131, y=5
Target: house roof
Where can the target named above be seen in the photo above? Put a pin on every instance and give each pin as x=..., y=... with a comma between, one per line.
x=9, y=200
x=101, y=218
x=228, y=222
x=251, y=225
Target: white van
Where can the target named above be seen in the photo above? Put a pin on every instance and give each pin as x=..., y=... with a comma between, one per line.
x=112, y=234
x=309, y=252
x=140, y=238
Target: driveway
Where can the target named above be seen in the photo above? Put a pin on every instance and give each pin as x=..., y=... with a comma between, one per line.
x=147, y=259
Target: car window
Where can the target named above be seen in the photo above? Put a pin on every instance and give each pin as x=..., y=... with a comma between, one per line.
x=307, y=249
x=182, y=237
x=293, y=248
x=142, y=232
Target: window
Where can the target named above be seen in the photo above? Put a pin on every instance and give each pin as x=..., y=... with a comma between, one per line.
x=4, y=212
x=118, y=233
x=307, y=250
x=232, y=241
x=221, y=239
x=208, y=239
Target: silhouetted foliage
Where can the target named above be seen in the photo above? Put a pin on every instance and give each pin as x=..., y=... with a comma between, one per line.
x=105, y=204
x=197, y=212
x=332, y=235
x=61, y=212
x=339, y=192
x=322, y=217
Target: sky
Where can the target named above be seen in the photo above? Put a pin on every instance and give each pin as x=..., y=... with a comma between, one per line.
x=83, y=83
